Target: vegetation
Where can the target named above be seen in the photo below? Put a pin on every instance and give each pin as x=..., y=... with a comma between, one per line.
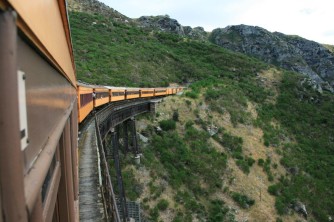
x=307, y=116
x=162, y=205
x=114, y=53
x=167, y=124
x=296, y=120
x=243, y=200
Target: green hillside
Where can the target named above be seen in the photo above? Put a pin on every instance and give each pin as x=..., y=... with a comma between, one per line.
x=291, y=122
x=113, y=53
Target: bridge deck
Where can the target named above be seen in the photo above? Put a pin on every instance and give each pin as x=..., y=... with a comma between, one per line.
x=90, y=198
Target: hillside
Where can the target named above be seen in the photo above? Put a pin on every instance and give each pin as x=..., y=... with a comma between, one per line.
x=247, y=141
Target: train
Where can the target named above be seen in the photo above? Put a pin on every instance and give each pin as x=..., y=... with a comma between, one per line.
x=42, y=106
x=91, y=97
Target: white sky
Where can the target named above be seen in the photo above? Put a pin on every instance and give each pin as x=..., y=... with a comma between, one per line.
x=311, y=19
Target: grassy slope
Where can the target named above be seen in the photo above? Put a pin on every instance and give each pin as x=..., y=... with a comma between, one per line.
x=296, y=121
x=117, y=54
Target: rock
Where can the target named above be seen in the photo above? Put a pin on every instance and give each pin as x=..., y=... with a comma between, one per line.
x=143, y=138
x=212, y=130
x=289, y=52
x=299, y=207
x=94, y=6
x=195, y=33
x=158, y=129
x=166, y=24
x=162, y=23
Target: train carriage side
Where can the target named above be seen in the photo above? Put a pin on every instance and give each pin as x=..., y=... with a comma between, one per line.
x=117, y=94
x=132, y=93
x=146, y=92
x=160, y=91
x=85, y=102
x=101, y=96
x=39, y=128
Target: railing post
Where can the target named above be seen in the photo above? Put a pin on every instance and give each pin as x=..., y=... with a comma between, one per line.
x=119, y=174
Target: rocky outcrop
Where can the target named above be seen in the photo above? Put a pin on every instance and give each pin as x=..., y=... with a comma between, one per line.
x=196, y=33
x=94, y=6
x=161, y=23
x=166, y=24
x=299, y=207
x=289, y=52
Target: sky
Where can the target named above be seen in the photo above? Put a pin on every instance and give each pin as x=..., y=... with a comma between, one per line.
x=310, y=19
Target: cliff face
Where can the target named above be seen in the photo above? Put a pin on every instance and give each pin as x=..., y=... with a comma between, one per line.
x=289, y=52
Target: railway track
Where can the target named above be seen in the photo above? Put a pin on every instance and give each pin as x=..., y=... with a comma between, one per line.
x=90, y=199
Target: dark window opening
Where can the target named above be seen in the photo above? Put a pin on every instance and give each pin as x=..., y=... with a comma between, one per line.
x=85, y=99
x=117, y=93
x=132, y=92
x=100, y=95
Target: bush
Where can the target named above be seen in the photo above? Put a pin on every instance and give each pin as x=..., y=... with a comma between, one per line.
x=250, y=161
x=167, y=124
x=176, y=115
x=189, y=124
x=260, y=162
x=274, y=189
x=243, y=200
x=162, y=205
x=217, y=211
x=192, y=95
x=243, y=165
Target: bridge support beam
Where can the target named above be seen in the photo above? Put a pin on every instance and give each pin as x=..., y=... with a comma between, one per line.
x=135, y=146
x=121, y=191
x=126, y=137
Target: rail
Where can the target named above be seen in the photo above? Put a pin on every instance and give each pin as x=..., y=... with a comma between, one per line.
x=108, y=191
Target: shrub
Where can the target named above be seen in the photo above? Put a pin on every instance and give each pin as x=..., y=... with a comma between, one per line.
x=280, y=206
x=176, y=115
x=243, y=200
x=274, y=189
x=167, y=124
x=162, y=205
x=217, y=211
x=212, y=94
x=250, y=161
x=260, y=162
x=191, y=94
x=189, y=124
x=242, y=164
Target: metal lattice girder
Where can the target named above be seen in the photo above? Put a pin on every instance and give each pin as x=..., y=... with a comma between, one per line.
x=119, y=174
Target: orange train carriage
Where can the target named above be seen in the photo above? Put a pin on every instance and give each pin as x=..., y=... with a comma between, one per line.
x=90, y=96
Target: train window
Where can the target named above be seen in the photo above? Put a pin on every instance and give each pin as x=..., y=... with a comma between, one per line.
x=159, y=91
x=147, y=92
x=85, y=99
x=48, y=178
x=100, y=95
x=132, y=92
x=117, y=93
